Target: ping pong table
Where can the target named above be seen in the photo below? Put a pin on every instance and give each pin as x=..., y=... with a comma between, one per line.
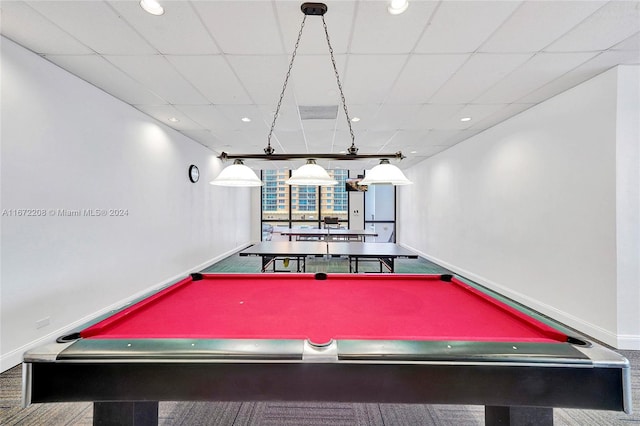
x=356, y=251
x=328, y=234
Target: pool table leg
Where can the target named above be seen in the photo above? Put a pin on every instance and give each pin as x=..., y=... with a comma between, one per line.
x=125, y=413
x=518, y=416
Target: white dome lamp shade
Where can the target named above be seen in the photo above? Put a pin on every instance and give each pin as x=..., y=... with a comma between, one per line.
x=311, y=174
x=237, y=174
x=385, y=174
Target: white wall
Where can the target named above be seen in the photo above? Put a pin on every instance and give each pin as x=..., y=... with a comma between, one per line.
x=68, y=145
x=528, y=208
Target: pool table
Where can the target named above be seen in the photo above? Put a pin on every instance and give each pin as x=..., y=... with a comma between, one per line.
x=327, y=337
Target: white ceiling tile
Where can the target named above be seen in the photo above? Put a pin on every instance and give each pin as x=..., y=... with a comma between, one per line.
x=314, y=80
x=234, y=141
x=480, y=72
x=535, y=73
x=316, y=126
x=477, y=113
x=209, y=117
x=369, y=78
x=163, y=113
x=241, y=27
x=376, y=31
x=407, y=141
x=235, y=113
x=423, y=76
x=608, y=26
x=101, y=73
x=204, y=137
x=159, y=76
x=213, y=77
x=462, y=26
x=27, y=27
x=192, y=39
x=392, y=117
x=288, y=117
x=262, y=76
x=339, y=20
x=432, y=116
x=367, y=115
x=522, y=32
x=95, y=25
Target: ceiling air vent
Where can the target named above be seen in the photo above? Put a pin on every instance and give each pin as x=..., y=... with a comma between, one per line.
x=318, y=112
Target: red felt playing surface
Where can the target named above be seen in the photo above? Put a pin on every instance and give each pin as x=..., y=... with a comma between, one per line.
x=297, y=306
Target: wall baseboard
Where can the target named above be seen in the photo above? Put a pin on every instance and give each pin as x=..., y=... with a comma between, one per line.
x=583, y=326
x=11, y=359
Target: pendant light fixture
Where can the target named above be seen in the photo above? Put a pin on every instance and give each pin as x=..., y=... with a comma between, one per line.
x=237, y=175
x=384, y=174
x=310, y=173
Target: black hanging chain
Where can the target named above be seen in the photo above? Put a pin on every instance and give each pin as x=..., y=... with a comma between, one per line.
x=352, y=149
x=269, y=149
x=312, y=11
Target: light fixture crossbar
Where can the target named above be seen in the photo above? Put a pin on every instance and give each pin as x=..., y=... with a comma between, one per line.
x=275, y=157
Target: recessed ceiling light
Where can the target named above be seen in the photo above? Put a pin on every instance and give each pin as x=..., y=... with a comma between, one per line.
x=152, y=7
x=414, y=152
x=173, y=120
x=246, y=119
x=465, y=119
x=355, y=119
x=396, y=7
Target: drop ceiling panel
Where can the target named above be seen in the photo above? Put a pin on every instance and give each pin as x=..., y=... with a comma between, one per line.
x=204, y=137
x=536, y=24
x=209, y=117
x=423, y=76
x=218, y=61
x=432, y=116
x=163, y=113
x=369, y=78
x=541, y=69
x=288, y=117
x=365, y=113
x=101, y=73
x=478, y=74
x=261, y=75
x=313, y=79
x=392, y=117
x=377, y=31
x=241, y=27
x=477, y=113
x=213, y=77
x=159, y=76
x=608, y=26
x=96, y=25
x=27, y=27
x=318, y=125
x=234, y=114
x=462, y=26
x=192, y=39
x=339, y=20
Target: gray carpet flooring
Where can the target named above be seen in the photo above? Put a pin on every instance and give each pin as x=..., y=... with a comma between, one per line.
x=300, y=414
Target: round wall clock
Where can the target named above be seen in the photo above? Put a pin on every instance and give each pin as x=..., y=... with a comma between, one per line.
x=194, y=173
